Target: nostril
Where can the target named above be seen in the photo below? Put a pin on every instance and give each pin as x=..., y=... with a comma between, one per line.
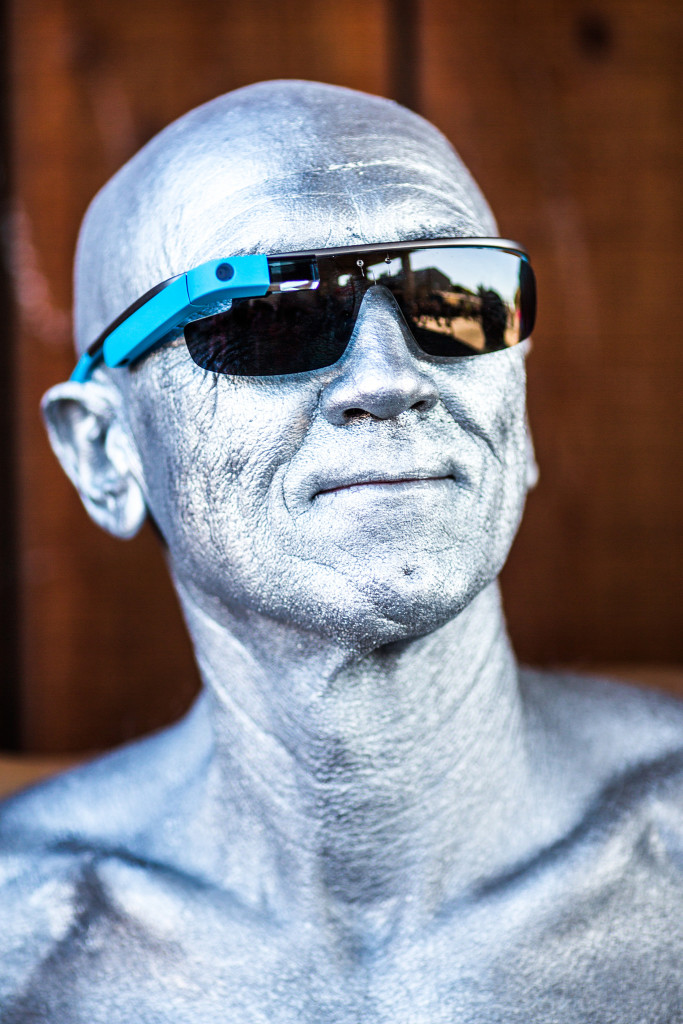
x=354, y=414
x=422, y=406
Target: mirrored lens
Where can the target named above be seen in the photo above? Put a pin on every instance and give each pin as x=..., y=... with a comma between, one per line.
x=285, y=332
x=458, y=301
x=461, y=301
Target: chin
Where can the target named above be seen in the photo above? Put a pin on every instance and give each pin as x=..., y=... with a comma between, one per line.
x=361, y=601
x=426, y=606
x=404, y=600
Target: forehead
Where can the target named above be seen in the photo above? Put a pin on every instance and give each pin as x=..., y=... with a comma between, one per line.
x=271, y=168
x=340, y=206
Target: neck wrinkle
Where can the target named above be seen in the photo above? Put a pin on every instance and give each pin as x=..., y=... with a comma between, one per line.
x=363, y=783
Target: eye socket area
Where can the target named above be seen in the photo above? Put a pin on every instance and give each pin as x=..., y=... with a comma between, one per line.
x=281, y=333
x=456, y=303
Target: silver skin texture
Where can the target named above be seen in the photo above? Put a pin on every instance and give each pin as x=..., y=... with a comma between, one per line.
x=371, y=814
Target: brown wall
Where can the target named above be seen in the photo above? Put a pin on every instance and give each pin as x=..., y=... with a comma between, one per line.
x=568, y=119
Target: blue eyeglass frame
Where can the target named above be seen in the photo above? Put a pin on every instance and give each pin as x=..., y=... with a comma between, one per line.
x=189, y=296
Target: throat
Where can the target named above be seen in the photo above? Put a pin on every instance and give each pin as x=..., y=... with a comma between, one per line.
x=370, y=789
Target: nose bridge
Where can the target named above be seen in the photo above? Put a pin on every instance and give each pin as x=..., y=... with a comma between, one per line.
x=380, y=374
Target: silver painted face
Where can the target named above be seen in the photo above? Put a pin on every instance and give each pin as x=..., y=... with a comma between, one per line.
x=378, y=496
x=368, y=501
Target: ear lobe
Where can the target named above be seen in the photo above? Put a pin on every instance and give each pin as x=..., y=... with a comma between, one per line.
x=85, y=428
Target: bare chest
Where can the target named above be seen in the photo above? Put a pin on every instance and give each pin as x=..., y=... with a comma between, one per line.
x=540, y=949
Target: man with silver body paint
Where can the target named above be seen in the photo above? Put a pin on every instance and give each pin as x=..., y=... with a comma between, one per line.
x=371, y=813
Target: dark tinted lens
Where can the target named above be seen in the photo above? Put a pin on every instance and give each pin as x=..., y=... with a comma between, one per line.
x=457, y=301
x=286, y=332
x=462, y=301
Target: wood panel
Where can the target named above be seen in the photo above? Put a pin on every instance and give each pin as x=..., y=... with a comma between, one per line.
x=9, y=611
x=569, y=116
x=103, y=648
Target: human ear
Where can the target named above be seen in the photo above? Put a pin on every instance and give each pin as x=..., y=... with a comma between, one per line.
x=87, y=431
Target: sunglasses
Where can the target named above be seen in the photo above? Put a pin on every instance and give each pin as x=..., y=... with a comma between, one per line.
x=296, y=312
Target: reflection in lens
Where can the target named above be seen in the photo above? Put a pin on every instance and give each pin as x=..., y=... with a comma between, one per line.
x=281, y=333
x=458, y=301
x=494, y=317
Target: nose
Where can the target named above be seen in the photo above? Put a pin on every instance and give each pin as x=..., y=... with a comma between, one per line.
x=379, y=374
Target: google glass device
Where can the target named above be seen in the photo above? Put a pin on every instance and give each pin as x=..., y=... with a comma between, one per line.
x=295, y=312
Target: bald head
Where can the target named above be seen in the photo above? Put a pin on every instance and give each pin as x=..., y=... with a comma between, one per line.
x=248, y=478
x=272, y=167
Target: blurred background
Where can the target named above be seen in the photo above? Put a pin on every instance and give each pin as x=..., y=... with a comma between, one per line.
x=568, y=114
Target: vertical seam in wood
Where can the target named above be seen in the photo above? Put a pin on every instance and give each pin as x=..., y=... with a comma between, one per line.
x=9, y=578
x=403, y=52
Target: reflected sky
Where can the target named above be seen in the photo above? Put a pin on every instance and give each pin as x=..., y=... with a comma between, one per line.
x=490, y=268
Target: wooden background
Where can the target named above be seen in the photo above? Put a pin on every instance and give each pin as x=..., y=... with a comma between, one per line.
x=568, y=114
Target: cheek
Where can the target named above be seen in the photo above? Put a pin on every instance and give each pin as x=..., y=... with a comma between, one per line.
x=487, y=396
x=508, y=431
x=210, y=449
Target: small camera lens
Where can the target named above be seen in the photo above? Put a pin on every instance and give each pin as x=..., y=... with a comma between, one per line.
x=224, y=272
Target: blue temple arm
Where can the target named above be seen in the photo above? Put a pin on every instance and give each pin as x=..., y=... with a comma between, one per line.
x=159, y=311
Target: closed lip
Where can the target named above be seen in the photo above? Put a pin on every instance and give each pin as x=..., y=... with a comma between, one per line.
x=374, y=478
